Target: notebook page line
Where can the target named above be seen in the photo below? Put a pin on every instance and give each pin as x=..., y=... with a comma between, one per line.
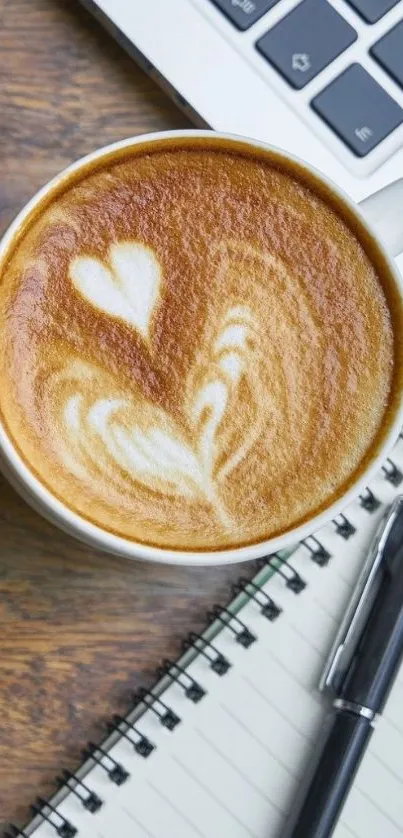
x=258, y=740
x=393, y=724
x=344, y=831
x=380, y=809
x=312, y=640
x=269, y=726
x=197, y=804
x=365, y=819
x=222, y=775
x=154, y=808
x=286, y=718
x=177, y=811
x=385, y=767
x=373, y=774
x=236, y=768
x=300, y=657
x=214, y=797
x=387, y=745
x=304, y=707
x=135, y=820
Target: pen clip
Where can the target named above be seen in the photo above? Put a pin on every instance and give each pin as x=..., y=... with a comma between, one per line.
x=360, y=605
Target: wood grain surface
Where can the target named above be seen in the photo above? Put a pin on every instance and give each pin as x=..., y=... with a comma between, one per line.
x=78, y=630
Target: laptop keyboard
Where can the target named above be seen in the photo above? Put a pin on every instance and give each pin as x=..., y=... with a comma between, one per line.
x=389, y=52
x=372, y=10
x=313, y=34
x=299, y=50
x=355, y=99
x=243, y=13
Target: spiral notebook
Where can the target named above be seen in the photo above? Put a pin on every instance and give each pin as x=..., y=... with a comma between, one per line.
x=218, y=747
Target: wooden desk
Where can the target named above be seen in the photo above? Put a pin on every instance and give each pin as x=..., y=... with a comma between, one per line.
x=78, y=630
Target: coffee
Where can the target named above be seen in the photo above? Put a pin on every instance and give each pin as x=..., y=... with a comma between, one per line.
x=197, y=345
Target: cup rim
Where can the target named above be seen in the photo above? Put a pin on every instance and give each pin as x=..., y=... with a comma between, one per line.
x=53, y=508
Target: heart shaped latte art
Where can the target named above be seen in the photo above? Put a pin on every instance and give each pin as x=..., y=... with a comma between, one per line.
x=123, y=447
x=127, y=287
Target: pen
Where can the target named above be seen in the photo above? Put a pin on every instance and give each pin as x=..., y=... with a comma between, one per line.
x=360, y=672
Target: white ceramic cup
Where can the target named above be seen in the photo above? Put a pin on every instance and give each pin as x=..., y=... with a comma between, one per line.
x=382, y=214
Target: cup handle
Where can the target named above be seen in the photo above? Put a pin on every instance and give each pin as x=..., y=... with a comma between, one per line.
x=384, y=211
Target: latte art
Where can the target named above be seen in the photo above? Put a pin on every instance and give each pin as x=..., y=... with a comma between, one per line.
x=201, y=369
x=127, y=287
x=127, y=434
x=121, y=438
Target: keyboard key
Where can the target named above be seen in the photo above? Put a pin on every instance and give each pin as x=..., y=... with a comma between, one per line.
x=244, y=12
x=306, y=40
x=372, y=10
x=358, y=109
x=389, y=52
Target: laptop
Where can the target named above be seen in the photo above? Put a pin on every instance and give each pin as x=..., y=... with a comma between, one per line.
x=322, y=79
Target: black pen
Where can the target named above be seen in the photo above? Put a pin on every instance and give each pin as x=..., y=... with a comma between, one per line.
x=360, y=672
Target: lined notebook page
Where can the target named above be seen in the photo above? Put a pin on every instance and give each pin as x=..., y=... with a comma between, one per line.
x=231, y=768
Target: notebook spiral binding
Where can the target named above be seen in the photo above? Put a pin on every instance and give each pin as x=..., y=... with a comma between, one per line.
x=218, y=663
x=173, y=672
x=49, y=813
x=115, y=771
x=87, y=798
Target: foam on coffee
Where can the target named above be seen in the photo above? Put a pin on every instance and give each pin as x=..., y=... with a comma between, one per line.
x=196, y=349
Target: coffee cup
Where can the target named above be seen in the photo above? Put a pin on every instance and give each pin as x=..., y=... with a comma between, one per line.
x=380, y=226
